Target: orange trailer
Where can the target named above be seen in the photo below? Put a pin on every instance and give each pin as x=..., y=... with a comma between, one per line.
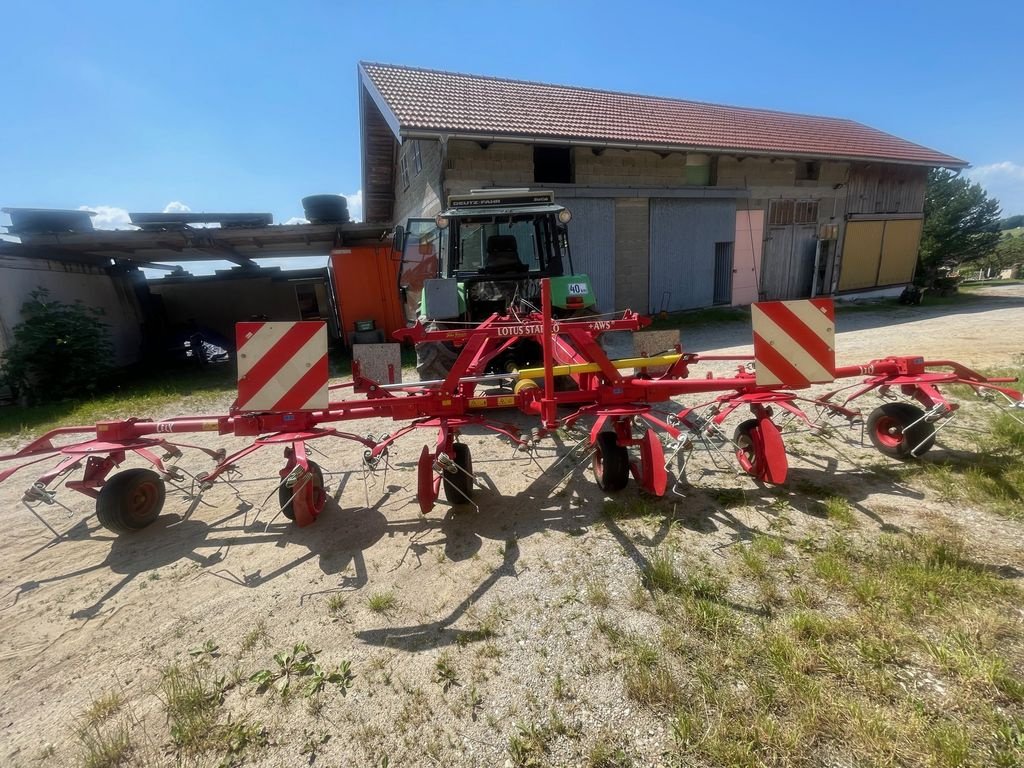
x=364, y=279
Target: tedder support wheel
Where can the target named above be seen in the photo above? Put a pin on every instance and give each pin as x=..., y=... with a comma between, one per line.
x=130, y=500
x=749, y=447
x=611, y=463
x=285, y=494
x=458, y=486
x=899, y=430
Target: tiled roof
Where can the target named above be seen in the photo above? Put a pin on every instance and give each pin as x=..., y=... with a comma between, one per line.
x=429, y=100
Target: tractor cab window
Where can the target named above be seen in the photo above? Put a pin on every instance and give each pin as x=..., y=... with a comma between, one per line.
x=498, y=247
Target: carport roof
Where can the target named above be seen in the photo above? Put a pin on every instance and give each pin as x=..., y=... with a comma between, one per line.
x=237, y=244
x=423, y=102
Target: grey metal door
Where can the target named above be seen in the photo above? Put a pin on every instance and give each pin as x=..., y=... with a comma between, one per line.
x=592, y=244
x=723, y=273
x=684, y=234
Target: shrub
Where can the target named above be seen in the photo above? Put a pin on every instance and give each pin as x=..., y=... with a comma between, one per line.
x=59, y=350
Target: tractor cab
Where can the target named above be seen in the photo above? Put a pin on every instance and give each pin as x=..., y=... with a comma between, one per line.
x=488, y=252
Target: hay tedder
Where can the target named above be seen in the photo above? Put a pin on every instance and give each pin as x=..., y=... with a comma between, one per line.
x=624, y=411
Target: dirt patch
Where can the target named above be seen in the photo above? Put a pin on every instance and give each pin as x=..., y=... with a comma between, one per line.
x=485, y=637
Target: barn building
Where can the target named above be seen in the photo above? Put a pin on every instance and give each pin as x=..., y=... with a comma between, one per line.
x=676, y=204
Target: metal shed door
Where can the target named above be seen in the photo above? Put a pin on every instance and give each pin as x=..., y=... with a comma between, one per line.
x=685, y=235
x=592, y=243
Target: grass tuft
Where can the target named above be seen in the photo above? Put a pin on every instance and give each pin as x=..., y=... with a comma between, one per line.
x=382, y=602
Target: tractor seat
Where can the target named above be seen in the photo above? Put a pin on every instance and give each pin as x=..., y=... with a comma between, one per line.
x=502, y=256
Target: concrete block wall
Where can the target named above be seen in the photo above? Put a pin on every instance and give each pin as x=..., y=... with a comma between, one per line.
x=94, y=287
x=629, y=168
x=423, y=197
x=500, y=164
x=632, y=253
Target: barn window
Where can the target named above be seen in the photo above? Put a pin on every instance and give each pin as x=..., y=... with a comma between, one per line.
x=780, y=213
x=553, y=165
x=403, y=165
x=807, y=170
x=417, y=159
x=806, y=212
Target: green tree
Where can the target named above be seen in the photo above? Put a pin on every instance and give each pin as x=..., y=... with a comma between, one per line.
x=59, y=350
x=960, y=224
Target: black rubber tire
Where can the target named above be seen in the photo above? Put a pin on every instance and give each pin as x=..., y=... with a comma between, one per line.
x=130, y=500
x=745, y=439
x=458, y=486
x=434, y=359
x=611, y=463
x=284, y=493
x=890, y=430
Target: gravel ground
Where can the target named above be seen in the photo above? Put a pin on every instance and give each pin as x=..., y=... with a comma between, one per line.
x=497, y=595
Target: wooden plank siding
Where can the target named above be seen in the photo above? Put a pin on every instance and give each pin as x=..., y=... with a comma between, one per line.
x=379, y=149
x=885, y=189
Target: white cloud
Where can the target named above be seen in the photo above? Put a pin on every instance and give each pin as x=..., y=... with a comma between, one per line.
x=108, y=217
x=355, y=205
x=296, y=220
x=177, y=207
x=1004, y=181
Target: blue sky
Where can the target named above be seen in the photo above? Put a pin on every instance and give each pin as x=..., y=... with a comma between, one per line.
x=234, y=106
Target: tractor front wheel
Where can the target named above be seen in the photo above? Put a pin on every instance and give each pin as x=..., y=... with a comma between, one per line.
x=611, y=463
x=130, y=500
x=900, y=431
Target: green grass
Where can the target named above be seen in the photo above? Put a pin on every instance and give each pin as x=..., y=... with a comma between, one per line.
x=149, y=393
x=992, y=474
x=104, y=740
x=384, y=601
x=843, y=669
x=146, y=396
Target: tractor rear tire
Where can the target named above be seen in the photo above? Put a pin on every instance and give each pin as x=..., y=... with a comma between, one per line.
x=749, y=447
x=285, y=494
x=893, y=430
x=458, y=486
x=435, y=359
x=611, y=463
x=130, y=500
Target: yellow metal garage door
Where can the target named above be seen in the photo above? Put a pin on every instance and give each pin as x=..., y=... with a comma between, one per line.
x=862, y=251
x=899, y=251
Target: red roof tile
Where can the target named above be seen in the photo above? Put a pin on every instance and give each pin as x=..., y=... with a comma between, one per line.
x=428, y=100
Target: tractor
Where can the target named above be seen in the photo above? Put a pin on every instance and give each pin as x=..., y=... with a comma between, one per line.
x=486, y=254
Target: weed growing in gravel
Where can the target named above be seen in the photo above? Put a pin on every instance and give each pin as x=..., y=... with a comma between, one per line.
x=382, y=602
x=336, y=604
x=258, y=635
x=300, y=662
x=192, y=698
x=444, y=672
x=607, y=751
x=104, y=742
x=528, y=745
x=598, y=594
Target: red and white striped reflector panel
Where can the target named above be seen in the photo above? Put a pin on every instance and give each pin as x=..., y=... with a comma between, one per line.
x=794, y=342
x=282, y=366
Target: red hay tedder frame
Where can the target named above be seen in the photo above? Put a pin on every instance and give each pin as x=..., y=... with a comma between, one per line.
x=577, y=385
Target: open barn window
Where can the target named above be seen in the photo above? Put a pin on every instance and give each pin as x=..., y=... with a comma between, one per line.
x=808, y=170
x=553, y=165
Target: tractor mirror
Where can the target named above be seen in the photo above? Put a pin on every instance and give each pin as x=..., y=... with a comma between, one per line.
x=398, y=243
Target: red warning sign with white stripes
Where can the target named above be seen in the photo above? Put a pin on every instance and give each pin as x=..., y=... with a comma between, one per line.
x=794, y=342
x=282, y=366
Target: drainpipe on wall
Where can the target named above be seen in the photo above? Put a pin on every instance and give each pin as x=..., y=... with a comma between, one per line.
x=443, y=139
